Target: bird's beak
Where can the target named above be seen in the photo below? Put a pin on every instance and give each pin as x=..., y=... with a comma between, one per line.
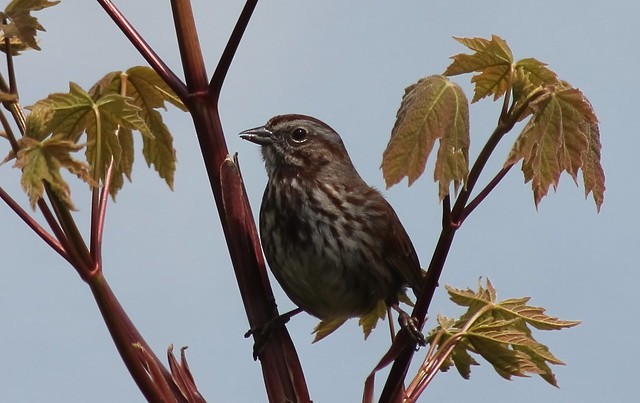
x=259, y=135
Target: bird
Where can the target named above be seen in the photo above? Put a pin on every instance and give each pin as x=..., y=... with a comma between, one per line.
x=333, y=243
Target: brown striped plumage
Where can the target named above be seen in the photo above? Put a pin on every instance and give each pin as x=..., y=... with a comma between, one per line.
x=333, y=243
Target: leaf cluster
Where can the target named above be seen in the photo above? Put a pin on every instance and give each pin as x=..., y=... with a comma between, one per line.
x=103, y=119
x=367, y=322
x=500, y=332
x=561, y=134
x=20, y=26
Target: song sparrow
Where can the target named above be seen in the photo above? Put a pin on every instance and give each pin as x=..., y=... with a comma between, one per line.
x=334, y=243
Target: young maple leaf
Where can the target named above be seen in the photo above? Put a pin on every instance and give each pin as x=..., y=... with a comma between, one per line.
x=147, y=91
x=22, y=25
x=41, y=161
x=368, y=322
x=326, y=327
x=432, y=109
x=562, y=135
x=499, y=332
x=75, y=113
x=492, y=61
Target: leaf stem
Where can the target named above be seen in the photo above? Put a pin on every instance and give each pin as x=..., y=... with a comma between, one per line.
x=430, y=369
x=476, y=170
x=99, y=202
x=13, y=87
x=13, y=107
x=33, y=224
x=145, y=50
x=484, y=193
x=76, y=247
x=13, y=142
x=215, y=86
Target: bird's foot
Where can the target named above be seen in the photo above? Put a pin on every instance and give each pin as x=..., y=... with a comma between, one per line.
x=262, y=333
x=410, y=325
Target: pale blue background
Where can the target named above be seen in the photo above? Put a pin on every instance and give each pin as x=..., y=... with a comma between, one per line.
x=348, y=64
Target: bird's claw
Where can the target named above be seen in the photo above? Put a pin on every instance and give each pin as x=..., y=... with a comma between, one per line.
x=262, y=333
x=410, y=324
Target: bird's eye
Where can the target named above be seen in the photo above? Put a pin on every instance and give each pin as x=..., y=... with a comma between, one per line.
x=299, y=135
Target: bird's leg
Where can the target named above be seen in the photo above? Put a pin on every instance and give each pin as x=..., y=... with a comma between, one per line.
x=262, y=333
x=392, y=329
x=410, y=325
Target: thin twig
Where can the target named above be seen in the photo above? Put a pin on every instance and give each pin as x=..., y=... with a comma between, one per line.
x=14, y=107
x=13, y=87
x=477, y=168
x=75, y=246
x=220, y=74
x=431, y=369
x=392, y=329
x=473, y=204
x=13, y=142
x=506, y=101
x=33, y=224
x=95, y=208
x=99, y=203
x=58, y=232
x=145, y=50
x=98, y=230
x=446, y=211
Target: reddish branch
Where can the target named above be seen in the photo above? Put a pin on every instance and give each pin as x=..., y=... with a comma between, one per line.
x=282, y=373
x=452, y=220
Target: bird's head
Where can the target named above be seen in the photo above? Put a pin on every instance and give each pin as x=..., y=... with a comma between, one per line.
x=299, y=144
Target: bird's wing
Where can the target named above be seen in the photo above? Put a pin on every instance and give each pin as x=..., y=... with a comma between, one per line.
x=401, y=254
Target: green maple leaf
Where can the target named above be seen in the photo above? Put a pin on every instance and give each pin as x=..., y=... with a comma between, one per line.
x=22, y=25
x=74, y=113
x=125, y=164
x=592, y=171
x=326, y=327
x=147, y=91
x=497, y=73
x=530, y=76
x=460, y=357
x=463, y=360
x=562, y=135
x=41, y=161
x=108, y=114
x=499, y=332
x=532, y=315
x=506, y=361
x=492, y=61
x=536, y=73
x=432, y=109
x=369, y=321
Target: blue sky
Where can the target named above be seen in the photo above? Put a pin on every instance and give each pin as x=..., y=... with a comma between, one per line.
x=346, y=63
